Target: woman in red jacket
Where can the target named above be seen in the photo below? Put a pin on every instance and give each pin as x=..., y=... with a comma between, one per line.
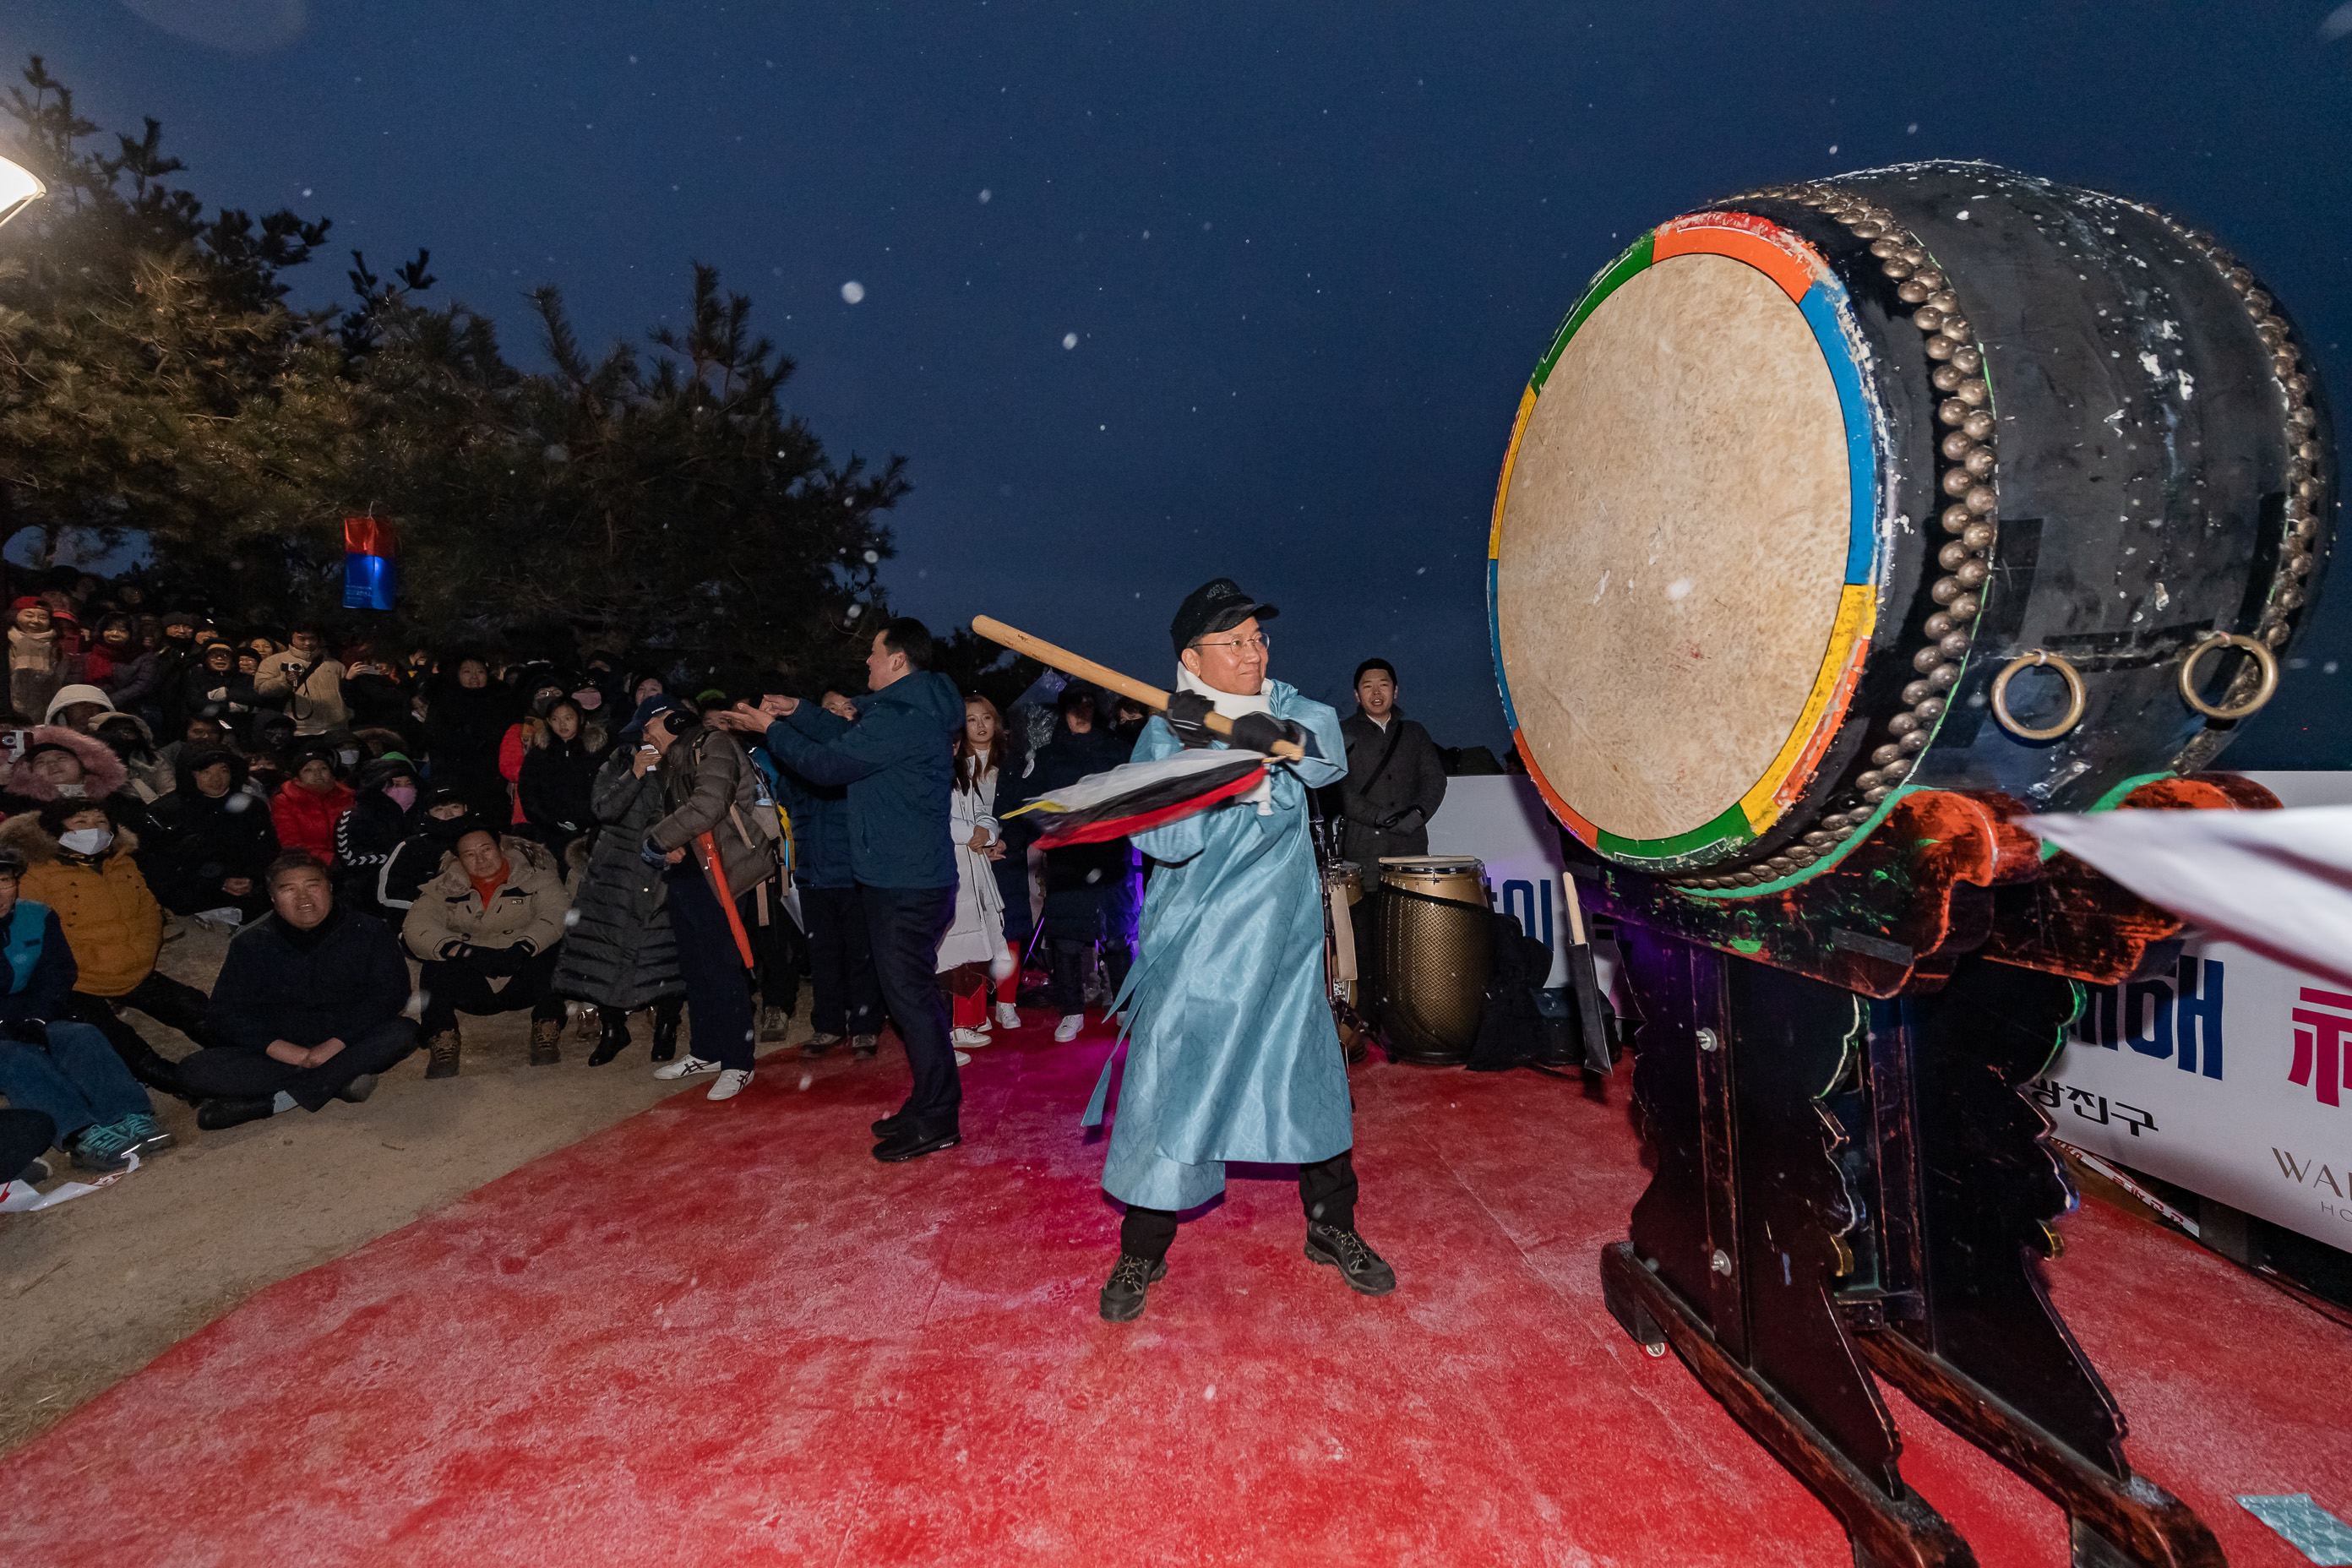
x=307, y=806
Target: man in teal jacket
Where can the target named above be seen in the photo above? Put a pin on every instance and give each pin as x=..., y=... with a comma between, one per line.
x=1233, y=1054
x=897, y=759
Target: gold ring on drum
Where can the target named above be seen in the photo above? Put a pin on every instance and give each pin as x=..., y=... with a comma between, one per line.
x=2264, y=658
x=2077, y=698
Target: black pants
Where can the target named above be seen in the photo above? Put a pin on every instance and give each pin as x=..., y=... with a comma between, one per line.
x=778, y=946
x=167, y=1001
x=847, y=994
x=1068, y=991
x=1327, y=1192
x=454, y=986
x=22, y=1136
x=905, y=925
x=233, y=1072
x=717, y=986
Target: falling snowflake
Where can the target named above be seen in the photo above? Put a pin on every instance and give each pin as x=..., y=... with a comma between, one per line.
x=986, y=196
x=853, y=290
x=1069, y=340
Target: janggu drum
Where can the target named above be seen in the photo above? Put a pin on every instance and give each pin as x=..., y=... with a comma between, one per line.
x=1937, y=476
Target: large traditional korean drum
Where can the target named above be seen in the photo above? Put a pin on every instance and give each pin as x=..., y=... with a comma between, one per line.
x=1937, y=476
x=1435, y=953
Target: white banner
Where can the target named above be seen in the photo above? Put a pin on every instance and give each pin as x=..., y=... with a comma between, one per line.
x=1504, y=822
x=2231, y=1075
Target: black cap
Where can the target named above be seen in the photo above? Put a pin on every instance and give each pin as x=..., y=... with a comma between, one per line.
x=1215, y=606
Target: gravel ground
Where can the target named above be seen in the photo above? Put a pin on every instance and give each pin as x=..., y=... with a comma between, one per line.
x=95, y=1289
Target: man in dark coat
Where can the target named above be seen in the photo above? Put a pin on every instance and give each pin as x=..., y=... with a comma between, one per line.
x=309, y=1004
x=216, y=839
x=899, y=764
x=849, y=995
x=1088, y=901
x=1395, y=777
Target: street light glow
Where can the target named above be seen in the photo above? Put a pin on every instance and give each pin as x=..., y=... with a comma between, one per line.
x=19, y=188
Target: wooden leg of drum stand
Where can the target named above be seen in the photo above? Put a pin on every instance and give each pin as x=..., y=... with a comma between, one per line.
x=1989, y=1356
x=1730, y=1261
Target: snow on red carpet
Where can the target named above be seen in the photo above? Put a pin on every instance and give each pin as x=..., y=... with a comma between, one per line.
x=722, y=1333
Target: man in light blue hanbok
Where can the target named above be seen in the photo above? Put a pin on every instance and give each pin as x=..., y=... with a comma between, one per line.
x=1232, y=1054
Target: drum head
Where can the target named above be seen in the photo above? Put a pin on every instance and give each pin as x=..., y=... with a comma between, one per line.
x=1683, y=544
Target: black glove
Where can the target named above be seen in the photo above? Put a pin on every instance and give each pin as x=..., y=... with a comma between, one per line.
x=1188, y=715
x=29, y=1031
x=1261, y=731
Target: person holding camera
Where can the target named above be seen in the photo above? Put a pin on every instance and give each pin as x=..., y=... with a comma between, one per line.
x=308, y=681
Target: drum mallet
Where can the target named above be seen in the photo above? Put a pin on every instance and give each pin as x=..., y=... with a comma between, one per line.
x=1109, y=679
x=1585, y=976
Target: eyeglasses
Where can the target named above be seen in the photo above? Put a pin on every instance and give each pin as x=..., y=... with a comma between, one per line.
x=1241, y=645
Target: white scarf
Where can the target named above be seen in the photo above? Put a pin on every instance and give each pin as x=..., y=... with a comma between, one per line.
x=1232, y=705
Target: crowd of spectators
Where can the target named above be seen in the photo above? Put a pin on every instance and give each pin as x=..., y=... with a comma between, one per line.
x=403, y=842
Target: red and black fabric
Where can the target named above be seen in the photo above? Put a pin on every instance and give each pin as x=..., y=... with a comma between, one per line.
x=1135, y=797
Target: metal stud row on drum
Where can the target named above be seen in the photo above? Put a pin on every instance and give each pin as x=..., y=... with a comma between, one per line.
x=1965, y=479
x=2305, y=487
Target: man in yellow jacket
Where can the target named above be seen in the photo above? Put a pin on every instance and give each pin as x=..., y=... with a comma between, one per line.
x=84, y=865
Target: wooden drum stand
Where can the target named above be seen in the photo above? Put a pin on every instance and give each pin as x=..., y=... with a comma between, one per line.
x=1848, y=1181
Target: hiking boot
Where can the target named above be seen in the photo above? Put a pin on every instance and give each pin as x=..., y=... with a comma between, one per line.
x=147, y=1134
x=591, y=1023
x=816, y=1045
x=865, y=1044
x=441, y=1055
x=692, y=1067
x=546, y=1042
x=219, y=1115
x=774, y=1023
x=665, y=1018
x=1130, y=1279
x=614, y=1039
x=105, y=1148
x=358, y=1089
x=1358, y=1264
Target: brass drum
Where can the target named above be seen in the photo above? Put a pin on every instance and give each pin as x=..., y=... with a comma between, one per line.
x=1436, y=955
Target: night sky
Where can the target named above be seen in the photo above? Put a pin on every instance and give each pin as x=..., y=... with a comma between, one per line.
x=1306, y=255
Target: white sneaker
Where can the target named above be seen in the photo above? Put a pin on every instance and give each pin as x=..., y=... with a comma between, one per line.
x=730, y=1083
x=963, y=1060
x=969, y=1039
x=1067, y=1029
x=688, y=1066
x=1008, y=1016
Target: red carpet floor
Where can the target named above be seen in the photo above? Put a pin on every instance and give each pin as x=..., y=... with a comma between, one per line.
x=721, y=1333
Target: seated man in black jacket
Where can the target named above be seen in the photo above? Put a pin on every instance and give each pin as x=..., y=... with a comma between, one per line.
x=215, y=841
x=310, y=1002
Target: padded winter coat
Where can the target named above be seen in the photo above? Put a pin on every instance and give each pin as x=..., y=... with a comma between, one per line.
x=112, y=921
x=306, y=820
x=526, y=910
x=621, y=952
x=898, y=761
x=713, y=788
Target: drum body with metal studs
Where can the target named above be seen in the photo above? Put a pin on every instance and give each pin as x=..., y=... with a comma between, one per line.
x=1434, y=954
x=1938, y=476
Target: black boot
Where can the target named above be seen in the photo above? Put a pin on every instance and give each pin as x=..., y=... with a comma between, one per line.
x=214, y=1115
x=667, y=1013
x=1132, y=1278
x=614, y=1040
x=1366, y=1272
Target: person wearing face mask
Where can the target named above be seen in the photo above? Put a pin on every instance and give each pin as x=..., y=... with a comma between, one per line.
x=1232, y=1052
x=213, y=838
x=384, y=813
x=80, y=862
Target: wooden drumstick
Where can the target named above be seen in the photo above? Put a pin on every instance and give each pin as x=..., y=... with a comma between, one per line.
x=1102, y=674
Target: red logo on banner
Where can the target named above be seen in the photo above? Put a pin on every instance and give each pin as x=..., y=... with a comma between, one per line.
x=2320, y=1057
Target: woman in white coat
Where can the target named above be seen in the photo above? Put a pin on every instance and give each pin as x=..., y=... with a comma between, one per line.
x=974, y=951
